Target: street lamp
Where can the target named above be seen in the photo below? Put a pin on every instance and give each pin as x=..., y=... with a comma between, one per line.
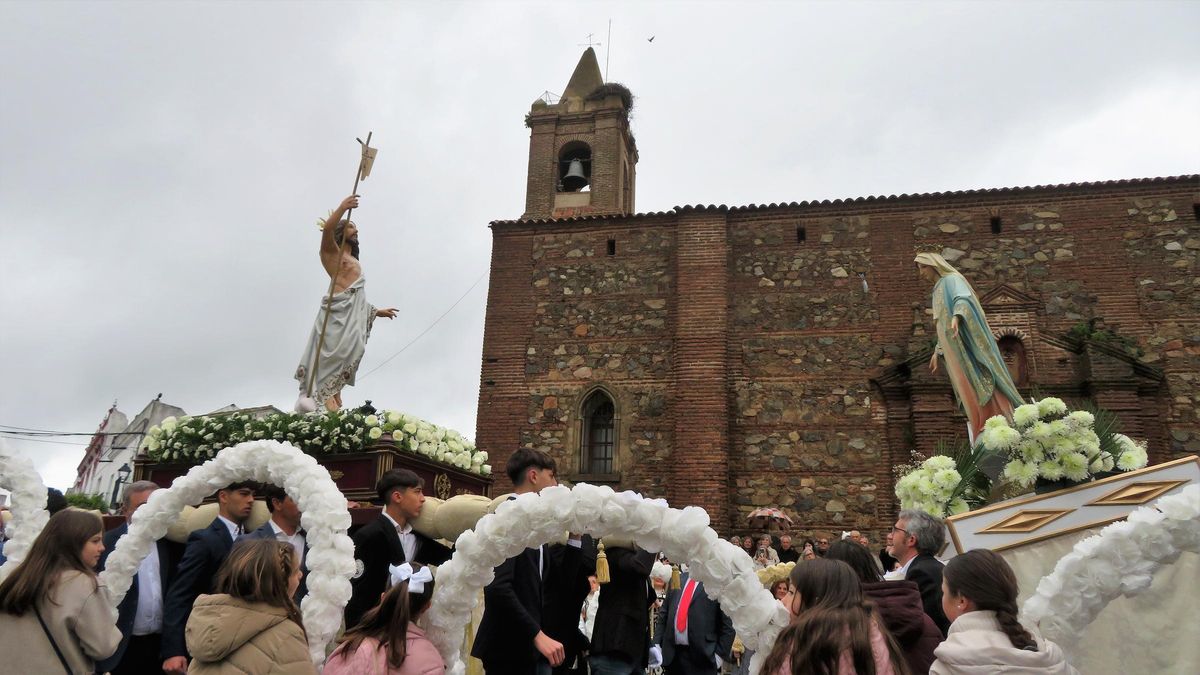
x=122, y=476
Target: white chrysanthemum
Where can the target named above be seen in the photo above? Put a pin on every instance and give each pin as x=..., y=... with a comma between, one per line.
x=946, y=479
x=1025, y=415
x=482, y=455
x=375, y=433
x=1031, y=451
x=925, y=485
x=938, y=463
x=995, y=421
x=1050, y=470
x=1096, y=465
x=959, y=506
x=487, y=469
x=1059, y=428
x=1082, y=418
x=1132, y=459
x=1021, y=473
x=371, y=420
x=1050, y=406
x=1000, y=438
x=1108, y=461
x=1075, y=466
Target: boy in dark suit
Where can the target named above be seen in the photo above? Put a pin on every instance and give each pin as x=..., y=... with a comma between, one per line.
x=206, y=550
x=140, y=614
x=691, y=642
x=390, y=540
x=511, y=636
x=284, y=525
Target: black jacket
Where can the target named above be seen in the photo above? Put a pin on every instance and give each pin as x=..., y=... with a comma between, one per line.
x=514, y=608
x=267, y=532
x=566, y=589
x=926, y=570
x=205, y=551
x=376, y=546
x=709, y=632
x=622, y=627
x=169, y=554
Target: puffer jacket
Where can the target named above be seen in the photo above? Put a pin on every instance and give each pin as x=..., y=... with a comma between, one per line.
x=228, y=636
x=976, y=646
x=898, y=604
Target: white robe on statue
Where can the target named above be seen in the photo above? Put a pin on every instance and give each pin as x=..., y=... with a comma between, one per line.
x=350, y=320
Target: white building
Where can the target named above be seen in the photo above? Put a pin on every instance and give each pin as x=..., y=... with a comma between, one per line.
x=116, y=445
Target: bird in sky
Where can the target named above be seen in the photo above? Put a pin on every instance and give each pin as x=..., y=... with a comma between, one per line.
x=651, y=38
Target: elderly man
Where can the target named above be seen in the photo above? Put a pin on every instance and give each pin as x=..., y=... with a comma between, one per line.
x=140, y=614
x=785, y=551
x=916, y=538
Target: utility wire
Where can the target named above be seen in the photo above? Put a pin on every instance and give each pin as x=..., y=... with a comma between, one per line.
x=42, y=440
x=427, y=329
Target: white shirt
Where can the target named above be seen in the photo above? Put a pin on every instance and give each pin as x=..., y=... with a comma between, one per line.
x=899, y=574
x=408, y=540
x=296, y=540
x=235, y=530
x=149, y=615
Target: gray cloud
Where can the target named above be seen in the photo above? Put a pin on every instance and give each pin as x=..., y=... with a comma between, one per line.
x=162, y=165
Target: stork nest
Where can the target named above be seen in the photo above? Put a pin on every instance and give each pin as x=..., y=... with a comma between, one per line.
x=611, y=88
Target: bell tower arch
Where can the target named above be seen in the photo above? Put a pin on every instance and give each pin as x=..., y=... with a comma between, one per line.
x=582, y=154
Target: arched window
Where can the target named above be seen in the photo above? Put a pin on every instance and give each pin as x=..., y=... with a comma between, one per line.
x=1013, y=351
x=574, y=167
x=599, y=435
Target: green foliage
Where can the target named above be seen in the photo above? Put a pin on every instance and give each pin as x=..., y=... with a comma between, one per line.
x=1093, y=330
x=88, y=502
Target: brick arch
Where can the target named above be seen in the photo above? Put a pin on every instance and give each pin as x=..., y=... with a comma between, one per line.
x=1009, y=331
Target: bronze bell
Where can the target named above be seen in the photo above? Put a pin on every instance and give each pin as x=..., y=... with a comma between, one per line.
x=575, y=179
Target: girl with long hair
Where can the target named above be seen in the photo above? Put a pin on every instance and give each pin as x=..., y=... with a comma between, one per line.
x=54, y=614
x=898, y=604
x=251, y=624
x=388, y=641
x=979, y=596
x=834, y=630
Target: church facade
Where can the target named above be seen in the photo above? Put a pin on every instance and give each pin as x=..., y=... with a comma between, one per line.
x=777, y=355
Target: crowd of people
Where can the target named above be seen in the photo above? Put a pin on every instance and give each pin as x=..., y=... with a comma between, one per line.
x=228, y=601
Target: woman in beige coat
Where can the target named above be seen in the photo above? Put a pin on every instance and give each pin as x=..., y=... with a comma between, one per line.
x=251, y=625
x=979, y=595
x=53, y=599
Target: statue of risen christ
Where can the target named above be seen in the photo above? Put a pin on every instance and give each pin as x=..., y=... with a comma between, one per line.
x=350, y=317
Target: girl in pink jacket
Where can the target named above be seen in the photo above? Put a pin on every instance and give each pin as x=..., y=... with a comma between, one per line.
x=388, y=641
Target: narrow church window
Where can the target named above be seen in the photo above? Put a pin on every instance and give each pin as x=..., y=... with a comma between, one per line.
x=598, y=434
x=801, y=235
x=612, y=246
x=997, y=225
x=1196, y=210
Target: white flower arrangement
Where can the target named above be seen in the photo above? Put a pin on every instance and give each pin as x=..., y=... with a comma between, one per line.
x=728, y=574
x=1121, y=560
x=196, y=439
x=1046, y=441
x=933, y=487
x=324, y=517
x=28, y=506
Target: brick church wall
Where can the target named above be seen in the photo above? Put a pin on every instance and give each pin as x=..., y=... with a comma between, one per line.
x=762, y=356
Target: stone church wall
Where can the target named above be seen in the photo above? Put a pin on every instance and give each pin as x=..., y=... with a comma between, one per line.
x=776, y=356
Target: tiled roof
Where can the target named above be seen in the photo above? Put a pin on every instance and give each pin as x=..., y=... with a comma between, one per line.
x=722, y=208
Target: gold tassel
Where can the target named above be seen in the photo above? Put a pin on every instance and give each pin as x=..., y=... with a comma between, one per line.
x=675, y=583
x=602, y=575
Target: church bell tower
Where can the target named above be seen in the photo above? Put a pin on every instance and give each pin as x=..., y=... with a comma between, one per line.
x=582, y=156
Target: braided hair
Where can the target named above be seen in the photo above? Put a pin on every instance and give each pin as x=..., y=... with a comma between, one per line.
x=984, y=578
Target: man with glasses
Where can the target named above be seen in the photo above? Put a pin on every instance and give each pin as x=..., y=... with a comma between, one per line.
x=822, y=546
x=915, y=539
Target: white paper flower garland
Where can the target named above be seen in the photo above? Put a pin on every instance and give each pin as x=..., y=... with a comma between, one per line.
x=728, y=574
x=28, y=506
x=1120, y=560
x=324, y=517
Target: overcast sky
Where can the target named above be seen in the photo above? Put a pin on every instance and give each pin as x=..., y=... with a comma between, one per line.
x=162, y=165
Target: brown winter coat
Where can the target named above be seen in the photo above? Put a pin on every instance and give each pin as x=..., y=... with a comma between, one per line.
x=228, y=636
x=77, y=614
x=899, y=606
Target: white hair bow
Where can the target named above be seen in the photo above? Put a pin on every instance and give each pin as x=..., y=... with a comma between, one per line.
x=416, y=580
